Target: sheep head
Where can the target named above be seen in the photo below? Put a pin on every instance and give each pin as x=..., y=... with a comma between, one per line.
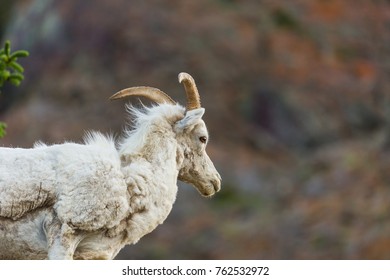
x=196, y=168
x=194, y=165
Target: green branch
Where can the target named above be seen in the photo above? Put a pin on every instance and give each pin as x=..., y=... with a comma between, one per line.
x=10, y=71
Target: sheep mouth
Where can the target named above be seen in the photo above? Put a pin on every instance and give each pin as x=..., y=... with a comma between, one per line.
x=211, y=189
x=205, y=194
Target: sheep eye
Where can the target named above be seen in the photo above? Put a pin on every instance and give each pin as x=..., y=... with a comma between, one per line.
x=203, y=139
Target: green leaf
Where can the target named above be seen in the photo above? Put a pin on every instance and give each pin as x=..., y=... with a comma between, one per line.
x=16, y=75
x=16, y=66
x=18, y=54
x=5, y=74
x=3, y=126
x=2, y=66
x=16, y=78
x=15, y=82
x=7, y=48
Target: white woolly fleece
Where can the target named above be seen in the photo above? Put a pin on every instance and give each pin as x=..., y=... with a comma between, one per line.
x=77, y=179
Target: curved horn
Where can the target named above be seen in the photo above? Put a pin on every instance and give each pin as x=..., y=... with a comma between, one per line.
x=193, y=98
x=153, y=94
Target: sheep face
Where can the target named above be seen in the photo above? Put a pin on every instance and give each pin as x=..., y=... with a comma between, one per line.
x=195, y=166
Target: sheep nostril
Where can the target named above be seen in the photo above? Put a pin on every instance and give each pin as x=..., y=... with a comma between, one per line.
x=216, y=185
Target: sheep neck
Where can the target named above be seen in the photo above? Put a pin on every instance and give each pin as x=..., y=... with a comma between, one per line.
x=151, y=177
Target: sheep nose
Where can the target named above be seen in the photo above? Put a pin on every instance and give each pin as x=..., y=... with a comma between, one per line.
x=217, y=184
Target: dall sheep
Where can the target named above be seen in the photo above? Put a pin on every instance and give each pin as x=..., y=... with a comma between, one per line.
x=87, y=201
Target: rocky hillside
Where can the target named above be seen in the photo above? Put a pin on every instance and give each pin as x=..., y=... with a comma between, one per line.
x=297, y=104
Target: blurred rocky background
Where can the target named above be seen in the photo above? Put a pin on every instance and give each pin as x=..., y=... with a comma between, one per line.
x=297, y=104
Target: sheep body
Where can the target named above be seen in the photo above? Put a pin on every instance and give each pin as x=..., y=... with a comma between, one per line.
x=86, y=192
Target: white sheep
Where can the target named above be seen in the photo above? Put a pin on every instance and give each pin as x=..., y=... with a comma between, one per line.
x=87, y=201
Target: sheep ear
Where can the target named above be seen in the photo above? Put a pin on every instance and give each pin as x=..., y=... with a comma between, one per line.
x=190, y=119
